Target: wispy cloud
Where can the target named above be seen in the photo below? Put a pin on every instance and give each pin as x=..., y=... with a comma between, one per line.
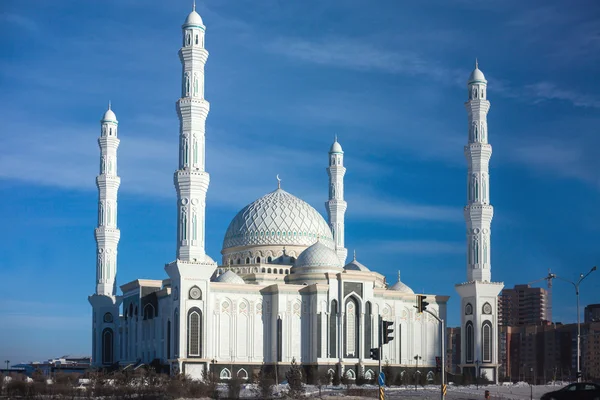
x=399, y=209
x=418, y=247
x=21, y=21
x=544, y=91
x=363, y=55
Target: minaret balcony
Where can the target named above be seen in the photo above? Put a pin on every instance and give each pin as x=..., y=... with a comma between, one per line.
x=107, y=182
x=477, y=212
x=193, y=55
x=477, y=107
x=190, y=108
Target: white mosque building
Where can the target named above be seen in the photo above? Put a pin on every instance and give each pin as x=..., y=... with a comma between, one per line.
x=282, y=289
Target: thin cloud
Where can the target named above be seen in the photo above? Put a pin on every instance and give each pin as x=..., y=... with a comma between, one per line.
x=22, y=22
x=373, y=207
x=419, y=247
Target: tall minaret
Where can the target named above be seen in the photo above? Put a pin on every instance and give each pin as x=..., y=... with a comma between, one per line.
x=478, y=212
x=191, y=180
x=105, y=302
x=336, y=206
x=107, y=234
x=479, y=295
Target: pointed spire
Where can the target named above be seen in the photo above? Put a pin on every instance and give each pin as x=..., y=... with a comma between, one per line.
x=109, y=104
x=398, y=275
x=194, y=5
x=354, y=255
x=278, y=181
x=476, y=63
x=335, y=137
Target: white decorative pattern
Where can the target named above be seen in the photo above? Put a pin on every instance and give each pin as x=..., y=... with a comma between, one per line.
x=229, y=277
x=318, y=255
x=277, y=218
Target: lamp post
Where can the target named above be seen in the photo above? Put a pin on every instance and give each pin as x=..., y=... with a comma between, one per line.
x=477, y=363
x=417, y=358
x=576, y=285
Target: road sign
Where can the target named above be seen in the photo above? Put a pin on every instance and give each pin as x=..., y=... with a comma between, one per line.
x=381, y=379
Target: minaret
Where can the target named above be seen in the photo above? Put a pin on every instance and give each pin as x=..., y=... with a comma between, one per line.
x=107, y=234
x=105, y=302
x=336, y=206
x=191, y=180
x=478, y=212
x=479, y=295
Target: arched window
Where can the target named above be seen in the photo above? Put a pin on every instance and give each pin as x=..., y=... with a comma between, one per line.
x=196, y=39
x=350, y=374
x=168, y=339
x=107, y=346
x=149, y=311
x=368, y=331
x=486, y=342
x=269, y=259
x=369, y=374
x=225, y=374
x=176, y=332
x=258, y=260
x=269, y=270
x=281, y=271
x=469, y=342
x=247, y=260
x=242, y=374
x=430, y=376
x=332, y=329
x=194, y=332
x=239, y=261
x=351, y=327
x=263, y=271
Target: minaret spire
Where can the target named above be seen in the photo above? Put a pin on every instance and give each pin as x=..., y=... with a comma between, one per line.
x=191, y=179
x=107, y=234
x=336, y=206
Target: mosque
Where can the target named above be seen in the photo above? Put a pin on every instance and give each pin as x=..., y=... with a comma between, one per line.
x=283, y=288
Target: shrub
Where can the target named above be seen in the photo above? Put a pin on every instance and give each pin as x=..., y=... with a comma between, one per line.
x=234, y=387
x=294, y=378
x=265, y=381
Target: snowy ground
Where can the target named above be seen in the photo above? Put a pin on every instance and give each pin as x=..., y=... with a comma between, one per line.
x=520, y=391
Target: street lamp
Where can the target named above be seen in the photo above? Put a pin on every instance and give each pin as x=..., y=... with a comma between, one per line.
x=477, y=364
x=417, y=358
x=576, y=285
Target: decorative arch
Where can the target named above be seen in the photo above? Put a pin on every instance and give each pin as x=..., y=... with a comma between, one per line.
x=430, y=376
x=225, y=374
x=194, y=332
x=368, y=329
x=242, y=374
x=486, y=341
x=369, y=374
x=107, y=346
x=350, y=374
x=469, y=342
x=469, y=309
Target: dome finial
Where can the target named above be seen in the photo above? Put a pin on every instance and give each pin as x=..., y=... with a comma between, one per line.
x=193, y=5
x=109, y=104
x=278, y=181
x=476, y=63
x=354, y=255
x=398, y=275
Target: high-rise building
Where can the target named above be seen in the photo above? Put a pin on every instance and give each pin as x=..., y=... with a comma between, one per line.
x=453, y=350
x=592, y=313
x=523, y=305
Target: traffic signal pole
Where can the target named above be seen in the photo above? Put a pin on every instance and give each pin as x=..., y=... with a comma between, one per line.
x=443, y=350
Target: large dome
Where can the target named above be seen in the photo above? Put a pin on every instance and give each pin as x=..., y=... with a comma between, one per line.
x=277, y=218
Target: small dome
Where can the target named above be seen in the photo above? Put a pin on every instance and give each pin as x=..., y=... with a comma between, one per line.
x=355, y=265
x=318, y=255
x=477, y=75
x=336, y=147
x=401, y=287
x=193, y=19
x=229, y=277
x=109, y=115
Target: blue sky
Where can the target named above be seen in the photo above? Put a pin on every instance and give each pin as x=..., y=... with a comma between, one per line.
x=388, y=77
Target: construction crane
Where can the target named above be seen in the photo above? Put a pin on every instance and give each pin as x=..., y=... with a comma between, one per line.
x=549, y=302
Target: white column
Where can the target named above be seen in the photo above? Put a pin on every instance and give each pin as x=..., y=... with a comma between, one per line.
x=191, y=180
x=336, y=206
x=478, y=212
x=107, y=234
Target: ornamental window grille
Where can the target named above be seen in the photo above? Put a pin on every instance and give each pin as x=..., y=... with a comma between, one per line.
x=486, y=334
x=194, y=332
x=469, y=341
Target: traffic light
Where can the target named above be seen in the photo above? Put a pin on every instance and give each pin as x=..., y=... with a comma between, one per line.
x=375, y=353
x=388, y=329
x=421, y=303
x=579, y=375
